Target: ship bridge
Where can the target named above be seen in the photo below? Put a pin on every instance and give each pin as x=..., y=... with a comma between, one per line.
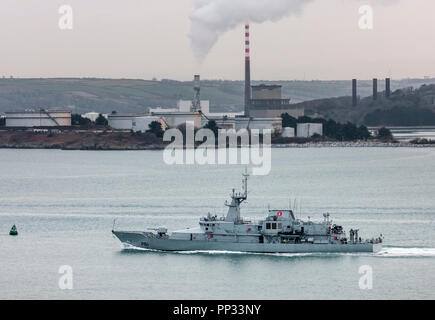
x=281, y=215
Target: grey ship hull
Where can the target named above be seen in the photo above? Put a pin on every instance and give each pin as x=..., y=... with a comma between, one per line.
x=143, y=240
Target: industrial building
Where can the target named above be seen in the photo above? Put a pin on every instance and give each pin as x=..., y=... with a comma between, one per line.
x=307, y=130
x=267, y=102
x=38, y=118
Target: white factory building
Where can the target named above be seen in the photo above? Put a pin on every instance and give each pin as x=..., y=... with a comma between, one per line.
x=38, y=118
x=122, y=121
x=307, y=130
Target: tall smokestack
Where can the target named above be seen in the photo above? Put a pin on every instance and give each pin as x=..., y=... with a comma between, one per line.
x=247, y=72
x=388, y=87
x=375, y=89
x=354, y=93
x=197, y=95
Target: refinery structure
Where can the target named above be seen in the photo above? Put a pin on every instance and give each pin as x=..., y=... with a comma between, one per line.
x=263, y=107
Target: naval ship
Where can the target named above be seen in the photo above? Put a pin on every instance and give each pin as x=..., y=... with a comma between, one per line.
x=279, y=232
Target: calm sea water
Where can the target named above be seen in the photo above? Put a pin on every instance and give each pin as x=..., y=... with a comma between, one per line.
x=64, y=204
x=409, y=133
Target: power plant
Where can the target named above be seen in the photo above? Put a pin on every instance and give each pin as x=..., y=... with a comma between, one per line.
x=375, y=96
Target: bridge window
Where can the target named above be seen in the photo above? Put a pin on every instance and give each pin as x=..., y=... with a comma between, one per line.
x=273, y=225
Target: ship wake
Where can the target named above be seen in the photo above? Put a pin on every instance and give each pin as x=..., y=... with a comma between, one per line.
x=223, y=252
x=394, y=252
x=406, y=252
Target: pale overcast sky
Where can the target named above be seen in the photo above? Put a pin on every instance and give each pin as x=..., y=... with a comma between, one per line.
x=149, y=38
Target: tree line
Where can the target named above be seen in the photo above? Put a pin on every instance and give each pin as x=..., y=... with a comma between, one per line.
x=78, y=120
x=331, y=129
x=401, y=116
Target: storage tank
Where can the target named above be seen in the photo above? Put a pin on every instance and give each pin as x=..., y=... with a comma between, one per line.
x=142, y=124
x=288, y=132
x=307, y=130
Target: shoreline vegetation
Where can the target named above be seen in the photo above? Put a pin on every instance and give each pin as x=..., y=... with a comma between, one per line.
x=124, y=141
x=88, y=135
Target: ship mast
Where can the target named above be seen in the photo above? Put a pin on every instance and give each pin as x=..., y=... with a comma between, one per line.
x=237, y=198
x=245, y=183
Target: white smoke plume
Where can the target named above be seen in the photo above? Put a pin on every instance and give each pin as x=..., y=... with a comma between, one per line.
x=212, y=18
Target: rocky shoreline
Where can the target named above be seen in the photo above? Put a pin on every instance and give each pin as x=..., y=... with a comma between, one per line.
x=356, y=144
x=126, y=141
x=84, y=140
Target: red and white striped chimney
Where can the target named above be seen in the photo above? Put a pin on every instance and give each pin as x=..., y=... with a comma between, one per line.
x=247, y=71
x=247, y=56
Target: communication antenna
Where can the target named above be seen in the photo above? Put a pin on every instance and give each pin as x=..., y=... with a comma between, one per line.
x=300, y=209
x=245, y=182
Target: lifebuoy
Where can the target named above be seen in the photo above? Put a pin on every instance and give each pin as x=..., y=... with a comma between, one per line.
x=279, y=214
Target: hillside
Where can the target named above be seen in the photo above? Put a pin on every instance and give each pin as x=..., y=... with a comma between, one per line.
x=125, y=95
x=405, y=107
